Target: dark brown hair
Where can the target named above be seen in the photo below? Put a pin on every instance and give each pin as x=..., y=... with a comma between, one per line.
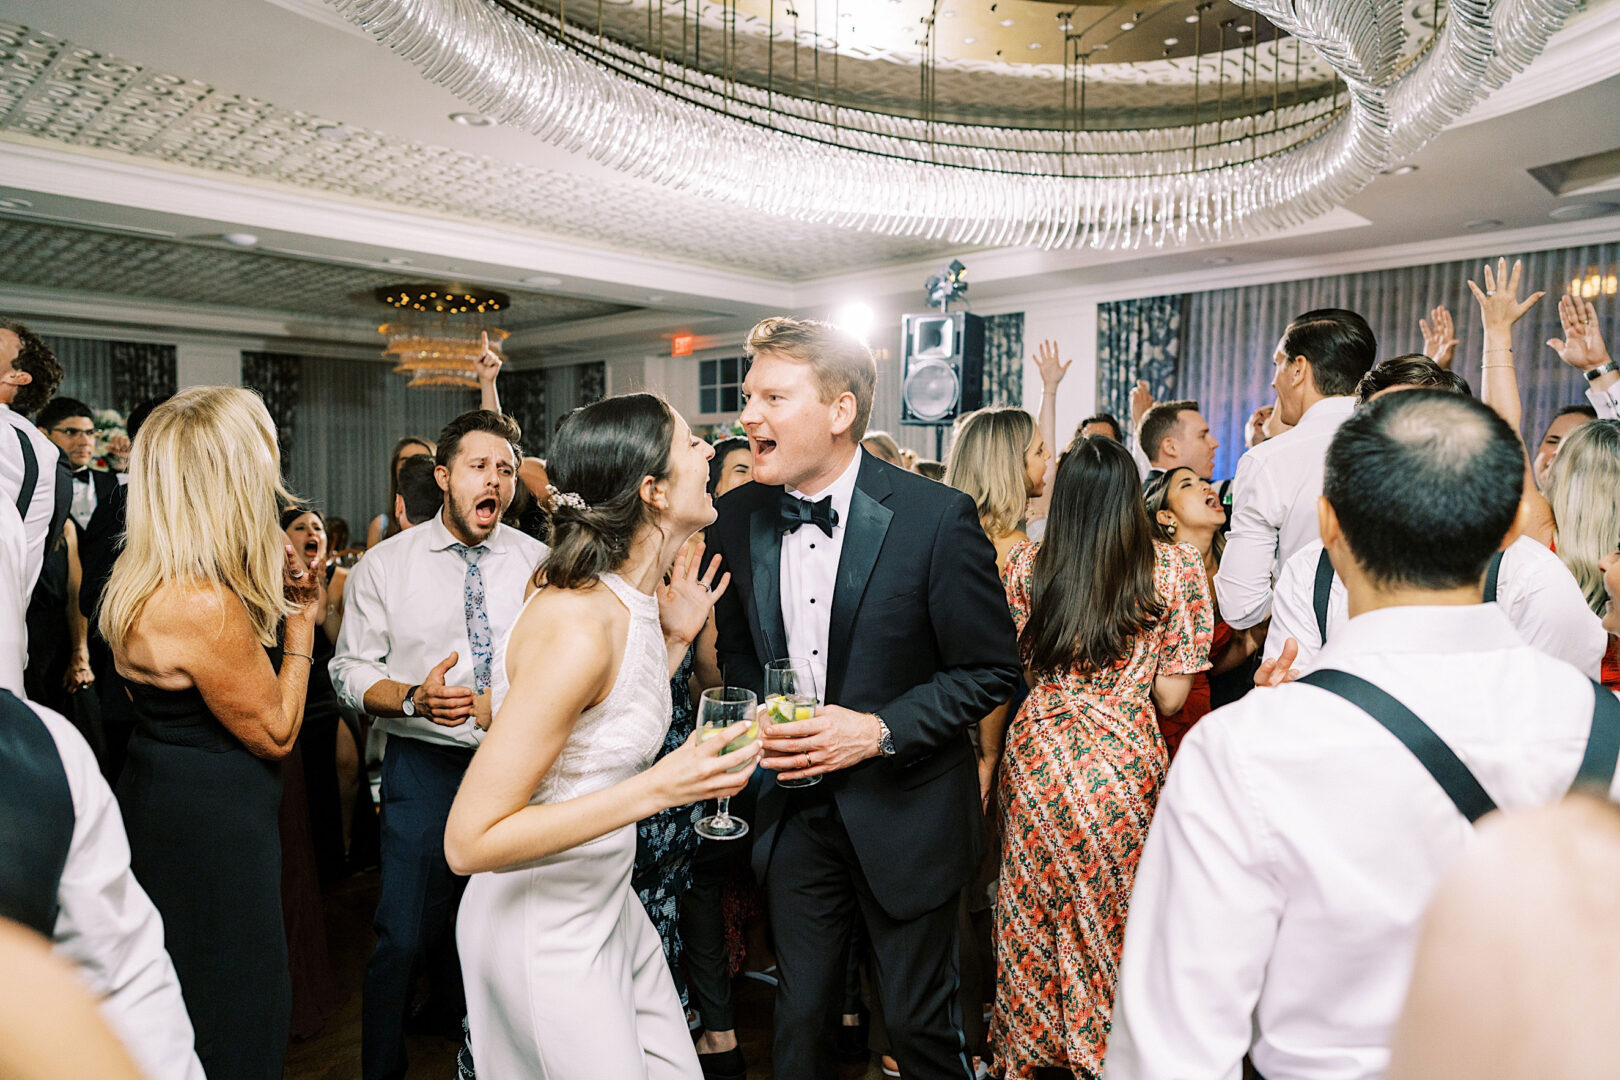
x=1157, y=424
x=394, y=462
x=1092, y=589
x=601, y=454
x=36, y=358
x=472, y=420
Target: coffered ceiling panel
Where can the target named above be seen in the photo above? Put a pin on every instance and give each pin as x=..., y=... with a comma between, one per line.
x=62, y=94
x=46, y=256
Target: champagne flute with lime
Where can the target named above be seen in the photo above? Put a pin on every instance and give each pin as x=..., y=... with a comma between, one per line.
x=790, y=694
x=719, y=709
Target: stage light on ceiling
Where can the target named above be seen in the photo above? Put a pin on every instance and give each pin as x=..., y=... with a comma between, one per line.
x=947, y=285
x=857, y=318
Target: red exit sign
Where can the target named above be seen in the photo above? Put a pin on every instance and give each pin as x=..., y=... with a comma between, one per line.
x=681, y=345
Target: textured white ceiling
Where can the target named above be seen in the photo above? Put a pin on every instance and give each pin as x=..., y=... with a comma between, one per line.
x=73, y=97
x=46, y=256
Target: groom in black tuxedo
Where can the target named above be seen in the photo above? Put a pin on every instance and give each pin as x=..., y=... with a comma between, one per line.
x=885, y=582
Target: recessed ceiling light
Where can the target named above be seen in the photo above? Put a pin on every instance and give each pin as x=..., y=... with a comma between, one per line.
x=968, y=40
x=472, y=119
x=15, y=204
x=1006, y=22
x=398, y=260
x=1399, y=170
x=656, y=298
x=1169, y=41
x=1243, y=28
x=1034, y=45
x=542, y=279
x=333, y=132
x=240, y=239
x=1219, y=260
x=1127, y=26
x=1190, y=19
x=1579, y=211
x=1482, y=223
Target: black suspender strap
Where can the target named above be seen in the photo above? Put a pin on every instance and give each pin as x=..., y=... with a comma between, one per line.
x=1323, y=589
x=1597, y=763
x=1431, y=751
x=25, y=494
x=1491, y=575
x=36, y=817
x=1602, y=746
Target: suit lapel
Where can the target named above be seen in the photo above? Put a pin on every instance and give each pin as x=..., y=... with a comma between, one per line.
x=863, y=540
x=765, y=564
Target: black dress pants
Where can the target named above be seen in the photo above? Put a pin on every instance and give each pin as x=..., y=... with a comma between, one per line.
x=817, y=890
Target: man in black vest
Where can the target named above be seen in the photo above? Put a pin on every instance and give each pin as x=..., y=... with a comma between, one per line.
x=886, y=585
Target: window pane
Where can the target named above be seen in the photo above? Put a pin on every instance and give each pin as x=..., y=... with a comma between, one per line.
x=706, y=400
x=728, y=399
x=706, y=373
x=728, y=369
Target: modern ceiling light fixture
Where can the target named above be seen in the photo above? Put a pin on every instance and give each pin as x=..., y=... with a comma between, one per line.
x=438, y=335
x=1271, y=112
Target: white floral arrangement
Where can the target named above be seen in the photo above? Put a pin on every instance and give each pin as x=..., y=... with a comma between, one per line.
x=110, y=427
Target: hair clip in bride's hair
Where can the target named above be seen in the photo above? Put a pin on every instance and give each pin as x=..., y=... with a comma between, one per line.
x=570, y=499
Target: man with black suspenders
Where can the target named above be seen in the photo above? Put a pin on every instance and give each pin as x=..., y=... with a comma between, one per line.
x=1536, y=591
x=1303, y=829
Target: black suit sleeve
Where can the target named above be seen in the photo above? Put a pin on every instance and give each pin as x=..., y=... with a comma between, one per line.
x=973, y=635
x=734, y=644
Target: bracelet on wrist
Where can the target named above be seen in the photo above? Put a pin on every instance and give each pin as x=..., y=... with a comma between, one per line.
x=302, y=656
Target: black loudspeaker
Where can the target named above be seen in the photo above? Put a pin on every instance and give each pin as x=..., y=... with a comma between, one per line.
x=941, y=367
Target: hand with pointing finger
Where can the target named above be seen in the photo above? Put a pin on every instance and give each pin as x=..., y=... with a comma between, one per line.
x=446, y=705
x=489, y=360
x=1279, y=669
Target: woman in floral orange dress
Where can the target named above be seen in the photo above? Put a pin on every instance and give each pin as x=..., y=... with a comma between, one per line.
x=1110, y=623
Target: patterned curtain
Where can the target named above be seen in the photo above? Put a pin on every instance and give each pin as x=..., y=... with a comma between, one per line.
x=1004, y=360
x=1231, y=333
x=1137, y=339
x=523, y=398
x=277, y=378
x=592, y=383
x=142, y=371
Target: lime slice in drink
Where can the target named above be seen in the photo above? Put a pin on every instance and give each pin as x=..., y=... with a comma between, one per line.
x=748, y=736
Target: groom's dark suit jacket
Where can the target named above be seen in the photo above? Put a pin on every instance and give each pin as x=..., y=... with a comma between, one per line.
x=920, y=635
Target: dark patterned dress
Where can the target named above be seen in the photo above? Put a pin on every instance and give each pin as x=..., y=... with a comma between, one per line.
x=666, y=841
x=1080, y=778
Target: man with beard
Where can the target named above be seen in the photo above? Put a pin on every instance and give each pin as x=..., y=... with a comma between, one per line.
x=424, y=610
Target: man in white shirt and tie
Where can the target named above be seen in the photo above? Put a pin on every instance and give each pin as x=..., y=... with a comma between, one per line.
x=1536, y=591
x=424, y=612
x=1322, y=356
x=29, y=376
x=1298, y=839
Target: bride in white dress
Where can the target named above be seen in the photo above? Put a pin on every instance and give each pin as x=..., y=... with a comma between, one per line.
x=565, y=975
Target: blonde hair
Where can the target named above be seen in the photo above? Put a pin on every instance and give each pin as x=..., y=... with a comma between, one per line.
x=882, y=444
x=837, y=358
x=205, y=495
x=1581, y=489
x=987, y=462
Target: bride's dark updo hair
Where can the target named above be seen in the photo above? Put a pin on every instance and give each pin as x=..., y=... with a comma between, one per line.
x=598, y=460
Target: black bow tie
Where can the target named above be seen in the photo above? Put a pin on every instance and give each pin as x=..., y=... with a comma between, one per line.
x=82, y=475
x=795, y=512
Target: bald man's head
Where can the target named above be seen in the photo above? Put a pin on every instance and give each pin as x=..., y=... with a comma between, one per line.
x=1425, y=485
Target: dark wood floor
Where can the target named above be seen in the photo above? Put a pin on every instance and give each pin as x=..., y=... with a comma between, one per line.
x=334, y=1053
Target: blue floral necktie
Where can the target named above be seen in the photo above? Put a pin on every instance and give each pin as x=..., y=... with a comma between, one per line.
x=478, y=633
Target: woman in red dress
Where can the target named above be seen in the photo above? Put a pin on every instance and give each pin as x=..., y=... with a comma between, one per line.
x=1110, y=623
x=1184, y=508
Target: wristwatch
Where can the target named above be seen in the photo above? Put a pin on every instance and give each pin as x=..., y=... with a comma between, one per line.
x=408, y=706
x=885, y=739
x=1605, y=368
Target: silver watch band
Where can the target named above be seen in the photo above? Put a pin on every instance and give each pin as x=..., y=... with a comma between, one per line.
x=885, y=739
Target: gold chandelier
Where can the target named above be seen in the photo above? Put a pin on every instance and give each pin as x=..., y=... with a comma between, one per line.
x=439, y=336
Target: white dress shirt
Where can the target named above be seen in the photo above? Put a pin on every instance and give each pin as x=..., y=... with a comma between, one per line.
x=1297, y=844
x=1534, y=588
x=108, y=927
x=404, y=612
x=1274, y=510
x=810, y=575
x=14, y=593
x=37, y=519
x=1604, y=402
x=83, y=506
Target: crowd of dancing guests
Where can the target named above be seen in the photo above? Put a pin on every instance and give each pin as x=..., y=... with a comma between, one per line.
x=975, y=858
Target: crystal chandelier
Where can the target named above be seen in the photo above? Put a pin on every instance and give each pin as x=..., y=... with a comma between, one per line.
x=439, y=335
x=1236, y=166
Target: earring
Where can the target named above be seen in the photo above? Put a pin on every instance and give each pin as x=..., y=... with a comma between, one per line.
x=1170, y=529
